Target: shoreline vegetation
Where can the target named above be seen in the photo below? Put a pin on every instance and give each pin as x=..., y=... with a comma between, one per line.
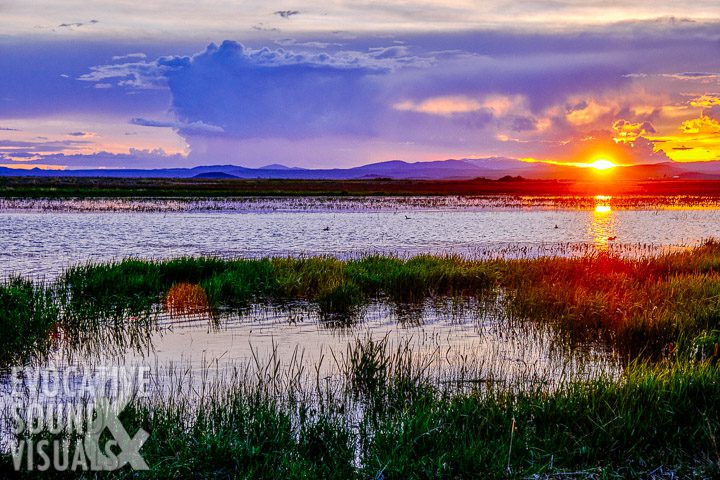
x=89, y=187
x=661, y=314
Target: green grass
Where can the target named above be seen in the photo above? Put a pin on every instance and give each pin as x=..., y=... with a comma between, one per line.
x=661, y=313
x=661, y=415
x=636, y=306
x=651, y=417
x=28, y=316
x=337, y=287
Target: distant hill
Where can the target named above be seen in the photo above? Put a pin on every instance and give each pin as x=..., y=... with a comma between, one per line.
x=452, y=169
x=214, y=175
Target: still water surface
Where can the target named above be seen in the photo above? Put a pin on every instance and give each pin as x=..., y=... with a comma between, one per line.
x=41, y=238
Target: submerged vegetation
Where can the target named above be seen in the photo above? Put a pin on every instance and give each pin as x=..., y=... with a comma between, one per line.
x=384, y=415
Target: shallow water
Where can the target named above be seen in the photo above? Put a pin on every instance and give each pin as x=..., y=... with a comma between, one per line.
x=43, y=237
x=474, y=340
x=449, y=334
x=468, y=343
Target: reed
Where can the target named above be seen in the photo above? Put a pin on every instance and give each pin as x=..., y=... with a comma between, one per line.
x=28, y=321
x=384, y=416
x=636, y=306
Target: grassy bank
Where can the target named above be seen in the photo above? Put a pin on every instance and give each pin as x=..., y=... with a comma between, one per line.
x=657, y=421
x=383, y=415
x=640, y=307
x=637, y=306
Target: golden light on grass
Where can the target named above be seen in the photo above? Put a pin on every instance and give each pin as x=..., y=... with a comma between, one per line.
x=186, y=299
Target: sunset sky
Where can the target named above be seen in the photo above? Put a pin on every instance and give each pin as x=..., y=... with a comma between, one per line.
x=111, y=84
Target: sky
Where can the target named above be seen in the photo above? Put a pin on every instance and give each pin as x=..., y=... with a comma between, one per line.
x=128, y=84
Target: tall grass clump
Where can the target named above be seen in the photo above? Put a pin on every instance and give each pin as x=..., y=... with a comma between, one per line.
x=28, y=318
x=240, y=435
x=637, y=306
x=655, y=418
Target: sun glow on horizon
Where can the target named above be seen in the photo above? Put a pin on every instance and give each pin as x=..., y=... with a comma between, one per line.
x=602, y=164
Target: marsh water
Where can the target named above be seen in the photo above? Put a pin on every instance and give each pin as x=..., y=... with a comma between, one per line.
x=40, y=238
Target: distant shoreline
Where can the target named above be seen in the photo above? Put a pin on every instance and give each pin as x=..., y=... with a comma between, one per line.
x=90, y=187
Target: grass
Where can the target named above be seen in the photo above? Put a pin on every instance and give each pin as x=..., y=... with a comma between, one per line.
x=639, y=307
x=265, y=424
x=28, y=317
x=384, y=415
x=636, y=306
x=338, y=288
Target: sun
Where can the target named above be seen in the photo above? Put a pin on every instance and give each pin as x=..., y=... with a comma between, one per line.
x=602, y=164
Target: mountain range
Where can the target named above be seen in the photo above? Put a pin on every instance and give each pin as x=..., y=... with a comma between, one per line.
x=452, y=169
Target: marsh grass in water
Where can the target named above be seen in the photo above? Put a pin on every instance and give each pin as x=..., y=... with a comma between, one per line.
x=635, y=306
x=28, y=320
x=383, y=414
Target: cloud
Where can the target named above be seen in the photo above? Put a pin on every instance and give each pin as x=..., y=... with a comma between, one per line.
x=260, y=27
x=287, y=42
x=82, y=134
x=694, y=75
x=702, y=125
x=286, y=13
x=164, y=19
x=628, y=132
x=396, y=51
x=523, y=124
x=265, y=93
x=137, y=75
x=703, y=77
x=497, y=106
x=78, y=24
x=705, y=101
x=9, y=129
x=12, y=147
x=193, y=127
x=130, y=56
x=134, y=158
x=443, y=106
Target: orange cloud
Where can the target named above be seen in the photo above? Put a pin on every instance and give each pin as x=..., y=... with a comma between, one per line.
x=628, y=132
x=702, y=124
x=443, y=106
x=591, y=112
x=705, y=101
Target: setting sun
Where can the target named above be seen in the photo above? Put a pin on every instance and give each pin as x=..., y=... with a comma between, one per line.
x=602, y=164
